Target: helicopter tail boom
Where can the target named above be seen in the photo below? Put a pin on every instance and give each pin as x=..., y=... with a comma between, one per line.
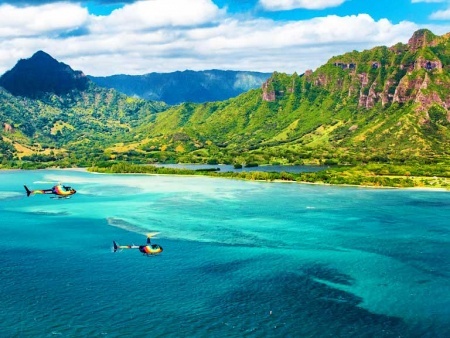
x=29, y=192
x=117, y=247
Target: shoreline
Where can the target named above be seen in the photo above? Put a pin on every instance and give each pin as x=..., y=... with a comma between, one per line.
x=378, y=187
x=280, y=181
x=79, y=169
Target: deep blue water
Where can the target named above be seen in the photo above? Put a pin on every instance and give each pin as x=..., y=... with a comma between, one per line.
x=241, y=259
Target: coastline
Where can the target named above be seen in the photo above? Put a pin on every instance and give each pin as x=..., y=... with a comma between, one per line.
x=365, y=186
x=443, y=189
x=379, y=187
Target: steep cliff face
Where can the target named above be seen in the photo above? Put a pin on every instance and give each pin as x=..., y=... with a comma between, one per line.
x=421, y=39
x=268, y=93
x=394, y=100
x=278, y=85
x=404, y=73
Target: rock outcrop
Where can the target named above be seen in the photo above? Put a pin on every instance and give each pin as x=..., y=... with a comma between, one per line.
x=422, y=38
x=7, y=128
x=268, y=93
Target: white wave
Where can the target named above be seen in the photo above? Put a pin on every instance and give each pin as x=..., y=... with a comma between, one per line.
x=44, y=210
x=47, y=212
x=54, y=178
x=125, y=225
x=126, y=183
x=4, y=195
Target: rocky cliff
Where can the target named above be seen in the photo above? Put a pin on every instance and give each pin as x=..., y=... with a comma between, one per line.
x=416, y=72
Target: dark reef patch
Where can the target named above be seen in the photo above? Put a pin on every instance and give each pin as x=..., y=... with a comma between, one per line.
x=295, y=305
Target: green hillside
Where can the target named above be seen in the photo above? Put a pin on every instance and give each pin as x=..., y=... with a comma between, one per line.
x=72, y=129
x=385, y=105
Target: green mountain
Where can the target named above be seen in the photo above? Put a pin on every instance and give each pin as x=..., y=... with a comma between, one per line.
x=386, y=104
x=186, y=86
x=49, y=111
x=41, y=74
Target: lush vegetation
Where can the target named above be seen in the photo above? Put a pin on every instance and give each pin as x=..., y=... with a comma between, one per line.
x=380, y=175
x=361, y=107
x=73, y=129
x=379, y=117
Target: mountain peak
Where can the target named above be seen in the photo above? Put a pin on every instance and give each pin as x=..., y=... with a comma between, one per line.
x=422, y=38
x=42, y=74
x=41, y=55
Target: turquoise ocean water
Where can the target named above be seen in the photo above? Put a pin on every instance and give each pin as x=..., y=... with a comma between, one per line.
x=241, y=259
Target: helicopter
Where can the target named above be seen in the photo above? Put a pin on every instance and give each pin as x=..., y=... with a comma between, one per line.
x=61, y=191
x=148, y=249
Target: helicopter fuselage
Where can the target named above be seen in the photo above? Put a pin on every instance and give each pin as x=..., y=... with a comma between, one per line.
x=153, y=249
x=148, y=250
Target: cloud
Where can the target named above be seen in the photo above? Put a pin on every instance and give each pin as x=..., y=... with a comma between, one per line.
x=145, y=15
x=257, y=44
x=441, y=15
x=428, y=1
x=43, y=2
x=438, y=15
x=203, y=37
x=283, y=5
x=38, y=20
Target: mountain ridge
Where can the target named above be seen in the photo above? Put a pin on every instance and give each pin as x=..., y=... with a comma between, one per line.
x=184, y=86
x=385, y=104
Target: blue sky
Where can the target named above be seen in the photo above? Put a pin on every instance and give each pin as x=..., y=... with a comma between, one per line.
x=106, y=37
x=394, y=10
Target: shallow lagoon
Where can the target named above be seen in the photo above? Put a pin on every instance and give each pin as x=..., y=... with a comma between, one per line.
x=240, y=258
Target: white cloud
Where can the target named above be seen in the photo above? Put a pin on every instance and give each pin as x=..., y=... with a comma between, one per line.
x=282, y=5
x=204, y=37
x=441, y=15
x=144, y=15
x=428, y=1
x=31, y=21
x=263, y=45
x=438, y=15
